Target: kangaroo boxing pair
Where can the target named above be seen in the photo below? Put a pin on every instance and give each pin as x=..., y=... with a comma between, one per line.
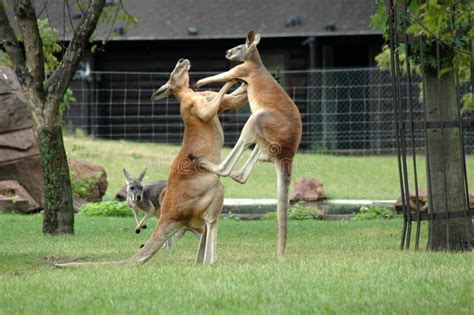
x=193, y=198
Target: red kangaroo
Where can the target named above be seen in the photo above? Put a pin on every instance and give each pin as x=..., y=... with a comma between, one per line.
x=274, y=126
x=193, y=198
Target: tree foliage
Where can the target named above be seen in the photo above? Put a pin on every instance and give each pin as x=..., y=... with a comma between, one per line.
x=45, y=68
x=437, y=29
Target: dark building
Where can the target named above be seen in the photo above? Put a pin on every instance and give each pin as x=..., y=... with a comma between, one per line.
x=296, y=36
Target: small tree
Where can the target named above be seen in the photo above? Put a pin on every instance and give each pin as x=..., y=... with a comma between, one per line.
x=44, y=84
x=441, y=51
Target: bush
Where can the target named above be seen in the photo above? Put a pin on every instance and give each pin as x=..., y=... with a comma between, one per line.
x=374, y=213
x=107, y=209
x=297, y=212
x=82, y=187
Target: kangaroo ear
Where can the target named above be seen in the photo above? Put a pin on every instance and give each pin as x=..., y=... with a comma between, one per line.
x=256, y=39
x=161, y=93
x=127, y=177
x=140, y=178
x=250, y=38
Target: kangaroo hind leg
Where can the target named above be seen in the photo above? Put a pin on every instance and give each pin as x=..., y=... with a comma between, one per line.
x=247, y=137
x=243, y=174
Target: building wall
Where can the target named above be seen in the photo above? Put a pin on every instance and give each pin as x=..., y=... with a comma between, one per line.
x=134, y=90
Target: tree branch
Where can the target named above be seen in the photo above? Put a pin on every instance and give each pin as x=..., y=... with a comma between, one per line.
x=59, y=81
x=27, y=23
x=11, y=45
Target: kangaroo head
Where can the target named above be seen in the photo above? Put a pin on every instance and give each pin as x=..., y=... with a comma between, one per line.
x=242, y=52
x=179, y=78
x=134, y=186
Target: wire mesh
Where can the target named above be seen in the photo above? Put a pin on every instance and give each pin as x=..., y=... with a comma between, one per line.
x=344, y=111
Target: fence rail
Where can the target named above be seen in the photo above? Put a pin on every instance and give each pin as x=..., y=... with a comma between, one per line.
x=345, y=111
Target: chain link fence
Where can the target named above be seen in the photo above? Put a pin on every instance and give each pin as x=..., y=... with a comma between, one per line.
x=344, y=111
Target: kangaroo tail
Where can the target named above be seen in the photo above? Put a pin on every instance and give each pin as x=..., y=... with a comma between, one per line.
x=163, y=231
x=283, y=169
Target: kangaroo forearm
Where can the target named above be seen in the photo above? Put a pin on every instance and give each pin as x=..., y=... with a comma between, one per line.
x=211, y=109
x=233, y=101
x=221, y=77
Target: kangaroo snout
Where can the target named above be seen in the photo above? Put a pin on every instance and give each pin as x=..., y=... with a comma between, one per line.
x=182, y=62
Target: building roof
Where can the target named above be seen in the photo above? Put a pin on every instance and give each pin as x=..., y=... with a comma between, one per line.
x=162, y=19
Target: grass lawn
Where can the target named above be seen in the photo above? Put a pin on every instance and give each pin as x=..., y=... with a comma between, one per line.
x=351, y=177
x=331, y=267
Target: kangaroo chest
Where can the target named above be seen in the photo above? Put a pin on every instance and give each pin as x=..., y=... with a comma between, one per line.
x=255, y=100
x=146, y=206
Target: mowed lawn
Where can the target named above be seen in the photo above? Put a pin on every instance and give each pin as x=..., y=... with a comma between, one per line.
x=330, y=268
x=343, y=177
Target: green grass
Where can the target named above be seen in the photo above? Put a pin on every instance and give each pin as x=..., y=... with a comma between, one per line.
x=352, y=177
x=331, y=268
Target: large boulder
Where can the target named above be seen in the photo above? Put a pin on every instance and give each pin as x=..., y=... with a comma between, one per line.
x=14, y=197
x=14, y=113
x=89, y=180
x=307, y=189
x=19, y=155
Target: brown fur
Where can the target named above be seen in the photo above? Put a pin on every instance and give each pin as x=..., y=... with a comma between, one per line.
x=193, y=198
x=275, y=126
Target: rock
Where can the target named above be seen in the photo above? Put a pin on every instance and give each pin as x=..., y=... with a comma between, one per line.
x=19, y=155
x=14, y=197
x=307, y=189
x=90, y=178
x=122, y=194
x=14, y=113
x=423, y=199
x=77, y=203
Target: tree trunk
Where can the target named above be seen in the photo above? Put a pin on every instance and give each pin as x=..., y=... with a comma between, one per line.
x=57, y=192
x=445, y=164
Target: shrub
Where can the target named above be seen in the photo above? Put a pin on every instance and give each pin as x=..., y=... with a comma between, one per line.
x=374, y=213
x=270, y=216
x=82, y=187
x=297, y=212
x=107, y=209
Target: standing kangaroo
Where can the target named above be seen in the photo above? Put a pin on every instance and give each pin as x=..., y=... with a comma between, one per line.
x=193, y=198
x=143, y=198
x=274, y=126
